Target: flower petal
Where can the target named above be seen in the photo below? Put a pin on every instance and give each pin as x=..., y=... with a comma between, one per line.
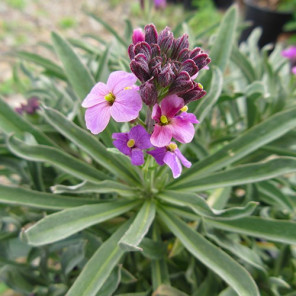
x=137, y=157
x=96, y=95
x=170, y=105
x=184, y=161
x=97, y=117
x=158, y=154
x=156, y=113
x=173, y=162
x=182, y=130
x=126, y=106
x=118, y=80
x=188, y=117
x=120, y=142
x=161, y=135
x=141, y=137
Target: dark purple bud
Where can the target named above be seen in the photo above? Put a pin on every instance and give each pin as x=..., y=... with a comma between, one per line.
x=179, y=44
x=19, y=110
x=155, y=50
x=166, y=76
x=183, y=55
x=201, y=60
x=139, y=67
x=138, y=36
x=181, y=84
x=148, y=93
x=32, y=105
x=190, y=67
x=155, y=66
x=165, y=39
x=143, y=48
x=196, y=51
x=131, y=51
x=194, y=94
x=151, y=35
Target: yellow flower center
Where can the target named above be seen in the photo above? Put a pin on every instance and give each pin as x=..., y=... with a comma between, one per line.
x=130, y=143
x=200, y=85
x=172, y=147
x=110, y=98
x=184, y=109
x=164, y=119
x=128, y=87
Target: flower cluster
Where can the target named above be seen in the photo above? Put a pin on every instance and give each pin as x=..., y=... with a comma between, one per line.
x=166, y=69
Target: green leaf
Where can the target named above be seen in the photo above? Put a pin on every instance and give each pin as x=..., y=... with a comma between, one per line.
x=107, y=186
x=166, y=290
x=243, y=174
x=225, y=37
x=206, y=104
x=90, y=145
x=214, y=258
x=274, y=195
x=200, y=206
x=275, y=230
x=109, y=28
x=139, y=228
x=12, y=122
x=112, y=283
x=77, y=74
x=98, y=268
x=65, y=223
x=243, y=64
x=254, y=138
x=36, y=199
x=102, y=71
x=57, y=158
x=47, y=64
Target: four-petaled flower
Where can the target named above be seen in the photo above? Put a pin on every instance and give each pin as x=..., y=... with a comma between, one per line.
x=133, y=143
x=117, y=99
x=172, y=121
x=171, y=156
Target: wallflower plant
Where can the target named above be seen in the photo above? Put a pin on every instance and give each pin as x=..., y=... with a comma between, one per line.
x=95, y=201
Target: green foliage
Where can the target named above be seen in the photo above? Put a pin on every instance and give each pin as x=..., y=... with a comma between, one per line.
x=78, y=219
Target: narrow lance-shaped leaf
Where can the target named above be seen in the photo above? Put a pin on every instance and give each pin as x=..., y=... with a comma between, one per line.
x=214, y=258
x=25, y=197
x=200, y=206
x=12, y=122
x=139, y=228
x=244, y=174
x=77, y=74
x=99, y=267
x=65, y=223
x=254, y=138
x=89, y=144
x=57, y=158
x=107, y=186
x=222, y=47
x=270, y=229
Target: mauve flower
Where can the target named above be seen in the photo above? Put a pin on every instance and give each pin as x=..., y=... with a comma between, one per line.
x=171, y=156
x=133, y=143
x=160, y=3
x=172, y=121
x=119, y=99
x=30, y=107
x=167, y=63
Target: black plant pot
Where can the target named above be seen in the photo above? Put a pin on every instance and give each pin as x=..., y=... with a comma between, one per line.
x=223, y=4
x=271, y=22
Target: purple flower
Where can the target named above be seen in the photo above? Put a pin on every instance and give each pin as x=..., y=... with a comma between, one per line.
x=289, y=53
x=30, y=107
x=160, y=3
x=172, y=120
x=171, y=156
x=119, y=99
x=132, y=143
x=168, y=63
x=138, y=36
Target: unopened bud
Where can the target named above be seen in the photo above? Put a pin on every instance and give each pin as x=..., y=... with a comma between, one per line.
x=138, y=36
